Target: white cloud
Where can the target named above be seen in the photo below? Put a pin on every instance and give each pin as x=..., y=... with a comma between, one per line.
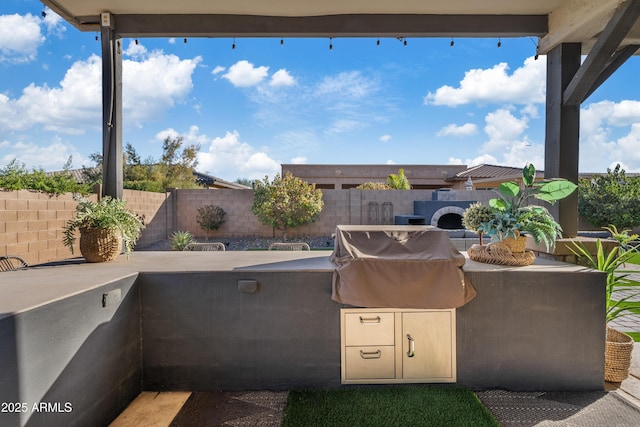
x=609, y=134
x=20, y=38
x=390, y=162
x=49, y=157
x=244, y=74
x=494, y=85
x=54, y=23
x=344, y=125
x=150, y=87
x=229, y=158
x=301, y=160
x=155, y=84
x=348, y=84
x=219, y=69
x=282, y=78
x=466, y=129
x=385, y=138
x=503, y=129
x=136, y=51
x=485, y=159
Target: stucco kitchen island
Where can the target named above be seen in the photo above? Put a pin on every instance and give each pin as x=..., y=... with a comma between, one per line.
x=96, y=335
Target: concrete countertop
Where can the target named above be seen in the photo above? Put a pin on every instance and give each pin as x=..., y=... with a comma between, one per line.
x=38, y=285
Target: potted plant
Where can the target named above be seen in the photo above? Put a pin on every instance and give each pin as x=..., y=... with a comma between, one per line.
x=619, y=345
x=474, y=216
x=513, y=215
x=104, y=227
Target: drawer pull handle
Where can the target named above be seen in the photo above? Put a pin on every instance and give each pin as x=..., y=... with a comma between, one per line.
x=412, y=346
x=371, y=354
x=365, y=320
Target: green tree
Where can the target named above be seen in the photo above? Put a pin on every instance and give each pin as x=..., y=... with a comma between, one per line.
x=286, y=202
x=398, y=181
x=611, y=199
x=175, y=169
x=178, y=166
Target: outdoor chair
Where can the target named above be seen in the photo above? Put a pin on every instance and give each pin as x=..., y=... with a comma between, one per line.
x=297, y=246
x=12, y=263
x=212, y=246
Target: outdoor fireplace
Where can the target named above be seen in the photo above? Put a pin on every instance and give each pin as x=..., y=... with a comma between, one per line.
x=444, y=210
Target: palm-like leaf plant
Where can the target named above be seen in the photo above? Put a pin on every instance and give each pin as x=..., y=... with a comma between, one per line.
x=618, y=280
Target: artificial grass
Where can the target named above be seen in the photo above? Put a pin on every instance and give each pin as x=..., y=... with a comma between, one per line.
x=386, y=406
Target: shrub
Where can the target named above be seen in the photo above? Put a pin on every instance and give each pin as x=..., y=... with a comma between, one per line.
x=398, y=181
x=374, y=186
x=611, y=199
x=286, y=202
x=180, y=239
x=15, y=176
x=210, y=218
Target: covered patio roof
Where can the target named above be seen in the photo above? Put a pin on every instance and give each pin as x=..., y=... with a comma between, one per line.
x=607, y=31
x=554, y=21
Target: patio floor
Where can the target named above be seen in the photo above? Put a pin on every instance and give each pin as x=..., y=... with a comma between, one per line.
x=619, y=405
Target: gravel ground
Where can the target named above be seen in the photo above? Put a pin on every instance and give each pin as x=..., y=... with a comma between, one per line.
x=244, y=243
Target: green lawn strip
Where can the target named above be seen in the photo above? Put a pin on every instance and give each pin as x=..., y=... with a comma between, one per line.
x=386, y=406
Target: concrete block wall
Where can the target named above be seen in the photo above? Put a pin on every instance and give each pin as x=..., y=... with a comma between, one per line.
x=155, y=209
x=31, y=225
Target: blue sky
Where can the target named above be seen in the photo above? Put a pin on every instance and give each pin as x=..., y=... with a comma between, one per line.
x=264, y=103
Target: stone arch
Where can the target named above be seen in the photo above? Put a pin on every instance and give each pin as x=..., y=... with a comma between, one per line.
x=445, y=211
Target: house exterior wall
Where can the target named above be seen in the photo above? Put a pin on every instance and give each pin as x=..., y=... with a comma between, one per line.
x=341, y=177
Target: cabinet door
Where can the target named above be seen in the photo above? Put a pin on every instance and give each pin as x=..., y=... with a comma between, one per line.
x=428, y=350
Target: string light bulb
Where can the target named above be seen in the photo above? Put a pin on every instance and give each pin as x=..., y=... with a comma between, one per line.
x=282, y=41
x=378, y=42
x=136, y=41
x=44, y=13
x=499, y=42
x=330, y=43
x=405, y=41
x=452, y=42
x=185, y=40
x=233, y=46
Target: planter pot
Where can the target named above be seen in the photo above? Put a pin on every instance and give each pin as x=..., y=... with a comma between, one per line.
x=617, y=360
x=100, y=244
x=516, y=245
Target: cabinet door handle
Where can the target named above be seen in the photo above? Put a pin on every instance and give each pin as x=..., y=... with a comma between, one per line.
x=412, y=346
x=371, y=354
x=365, y=320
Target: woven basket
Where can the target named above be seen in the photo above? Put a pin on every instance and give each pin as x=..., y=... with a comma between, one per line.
x=517, y=244
x=617, y=357
x=499, y=253
x=100, y=244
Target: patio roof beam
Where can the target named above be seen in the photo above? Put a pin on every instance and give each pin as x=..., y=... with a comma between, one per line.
x=603, y=50
x=349, y=25
x=619, y=58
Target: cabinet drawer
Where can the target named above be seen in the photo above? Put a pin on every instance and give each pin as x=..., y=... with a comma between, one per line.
x=370, y=362
x=365, y=329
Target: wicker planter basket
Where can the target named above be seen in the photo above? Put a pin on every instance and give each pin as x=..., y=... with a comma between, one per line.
x=517, y=244
x=617, y=360
x=100, y=244
x=499, y=253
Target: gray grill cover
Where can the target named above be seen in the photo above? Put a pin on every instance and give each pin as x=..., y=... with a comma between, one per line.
x=399, y=266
